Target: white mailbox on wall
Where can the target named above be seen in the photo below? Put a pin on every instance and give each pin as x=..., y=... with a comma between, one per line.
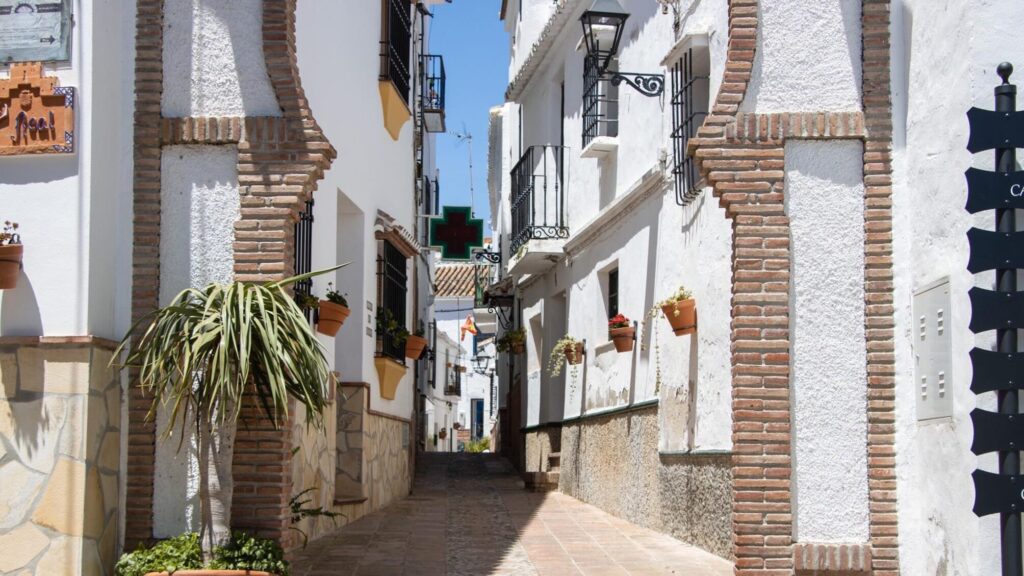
x=933, y=351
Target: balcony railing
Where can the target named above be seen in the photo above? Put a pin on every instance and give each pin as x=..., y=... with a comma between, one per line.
x=433, y=92
x=538, y=196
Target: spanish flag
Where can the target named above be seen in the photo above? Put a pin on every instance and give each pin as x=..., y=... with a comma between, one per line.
x=468, y=326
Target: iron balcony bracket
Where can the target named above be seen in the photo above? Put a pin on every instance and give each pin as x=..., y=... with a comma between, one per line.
x=646, y=84
x=492, y=257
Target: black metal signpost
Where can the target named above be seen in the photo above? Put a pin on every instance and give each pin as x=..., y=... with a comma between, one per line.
x=1000, y=371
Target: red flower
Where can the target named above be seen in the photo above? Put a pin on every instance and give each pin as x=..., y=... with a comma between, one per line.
x=618, y=321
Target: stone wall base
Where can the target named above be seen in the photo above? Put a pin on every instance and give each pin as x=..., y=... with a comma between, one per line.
x=612, y=462
x=60, y=418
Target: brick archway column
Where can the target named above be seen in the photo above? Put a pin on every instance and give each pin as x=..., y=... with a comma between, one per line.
x=280, y=161
x=742, y=157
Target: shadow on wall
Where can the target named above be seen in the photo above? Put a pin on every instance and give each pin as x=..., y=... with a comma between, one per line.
x=38, y=169
x=19, y=311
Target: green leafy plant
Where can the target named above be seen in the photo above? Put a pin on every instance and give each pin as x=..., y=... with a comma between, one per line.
x=678, y=296
x=179, y=553
x=389, y=327
x=10, y=235
x=201, y=353
x=335, y=297
x=511, y=340
x=307, y=301
x=477, y=446
x=245, y=552
x=300, y=511
x=559, y=354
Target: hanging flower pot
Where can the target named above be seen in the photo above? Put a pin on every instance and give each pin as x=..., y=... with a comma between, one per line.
x=11, y=252
x=513, y=341
x=682, y=316
x=414, y=346
x=622, y=333
x=574, y=353
x=519, y=348
x=332, y=316
x=681, y=311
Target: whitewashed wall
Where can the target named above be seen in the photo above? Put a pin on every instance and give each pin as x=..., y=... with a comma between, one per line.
x=808, y=57
x=656, y=244
x=213, y=60
x=944, y=62
x=75, y=210
x=372, y=172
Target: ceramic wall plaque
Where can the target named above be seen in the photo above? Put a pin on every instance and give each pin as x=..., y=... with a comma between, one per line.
x=36, y=115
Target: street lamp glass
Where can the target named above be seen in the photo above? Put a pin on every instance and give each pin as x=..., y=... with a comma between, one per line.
x=602, y=30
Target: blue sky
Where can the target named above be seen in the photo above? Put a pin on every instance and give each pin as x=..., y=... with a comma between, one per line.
x=473, y=42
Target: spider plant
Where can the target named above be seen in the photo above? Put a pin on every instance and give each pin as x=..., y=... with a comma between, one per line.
x=206, y=350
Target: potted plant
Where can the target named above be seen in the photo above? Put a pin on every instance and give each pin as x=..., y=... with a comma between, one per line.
x=200, y=355
x=513, y=341
x=415, y=344
x=333, y=312
x=183, y=556
x=11, y=252
x=622, y=333
x=681, y=311
x=567, y=349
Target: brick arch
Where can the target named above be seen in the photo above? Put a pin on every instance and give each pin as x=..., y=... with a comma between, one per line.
x=741, y=156
x=280, y=162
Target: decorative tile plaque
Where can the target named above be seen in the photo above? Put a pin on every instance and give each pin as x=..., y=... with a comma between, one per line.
x=36, y=115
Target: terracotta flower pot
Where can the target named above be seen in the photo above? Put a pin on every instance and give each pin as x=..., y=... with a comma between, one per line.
x=10, y=265
x=519, y=348
x=414, y=346
x=207, y=572
x=332, y=316
x=574, y=355
x=622, y=338
x=682, y=316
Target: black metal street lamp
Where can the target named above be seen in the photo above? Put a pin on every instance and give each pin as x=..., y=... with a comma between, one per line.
x=602, y=32
x=481, y=364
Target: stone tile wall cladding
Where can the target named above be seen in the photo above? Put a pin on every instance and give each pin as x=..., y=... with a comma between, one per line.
x=742, y=157
x=60, y=417
x=613, y=463
x=358, y=464
x=280, y=161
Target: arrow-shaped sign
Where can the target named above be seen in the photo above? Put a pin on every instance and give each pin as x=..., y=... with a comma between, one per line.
x=995, y=130
x=990, y=190
x=49, y=40
x=997, y=493
x=994, y=432
x=996, y=370
x=992, y=310
x=991, y=250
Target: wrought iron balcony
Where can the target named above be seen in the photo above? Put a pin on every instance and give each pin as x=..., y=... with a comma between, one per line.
x=538, y=196
x=432, y=104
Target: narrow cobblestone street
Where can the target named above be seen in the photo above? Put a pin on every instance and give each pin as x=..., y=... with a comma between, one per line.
x=469, y=516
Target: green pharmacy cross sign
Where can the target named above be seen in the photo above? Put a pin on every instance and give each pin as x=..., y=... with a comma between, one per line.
x=456, y=233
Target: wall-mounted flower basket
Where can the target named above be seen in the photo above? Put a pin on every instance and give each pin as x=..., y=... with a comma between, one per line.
x=11, y=252
x=414, y=346
x=519, y=348
x=390, y=374
x=332, y=316
x=622, y=333
x=682, y=316
x=10, y=265
x=443, y=433
x=574, y=354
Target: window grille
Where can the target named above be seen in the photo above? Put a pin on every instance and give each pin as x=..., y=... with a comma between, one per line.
x=688, y=113
x=391, y=286
x=304, y=255
x=600, y=103
x=396, y=45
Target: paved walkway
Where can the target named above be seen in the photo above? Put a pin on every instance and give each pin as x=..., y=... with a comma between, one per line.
x=469, y=516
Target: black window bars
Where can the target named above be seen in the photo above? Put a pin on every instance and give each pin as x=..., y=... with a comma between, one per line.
x=688, y=112
x=396, y=44
x=391, y=286
x=600, y=103
x=304, y=255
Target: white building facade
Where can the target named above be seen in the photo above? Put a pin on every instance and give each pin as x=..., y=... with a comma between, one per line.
x=802, y=175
